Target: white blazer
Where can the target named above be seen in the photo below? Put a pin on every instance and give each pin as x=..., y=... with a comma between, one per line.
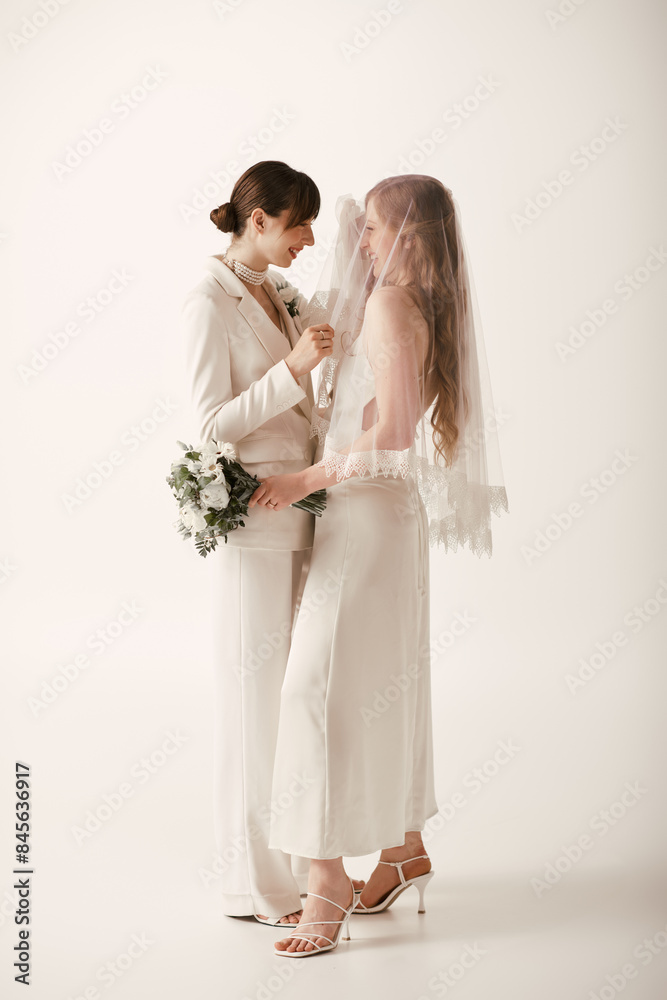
x=242, y=392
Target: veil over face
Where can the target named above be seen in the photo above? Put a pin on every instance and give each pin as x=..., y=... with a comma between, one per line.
x=406, y=391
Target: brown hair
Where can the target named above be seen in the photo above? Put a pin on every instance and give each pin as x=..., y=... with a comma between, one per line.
x=422, y=210
x=272, y=186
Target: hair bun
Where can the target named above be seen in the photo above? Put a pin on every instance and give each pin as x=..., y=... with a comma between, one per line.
x=224, y=217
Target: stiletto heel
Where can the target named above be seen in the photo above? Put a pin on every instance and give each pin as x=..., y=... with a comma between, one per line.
x=342, y=931
x=420, y=881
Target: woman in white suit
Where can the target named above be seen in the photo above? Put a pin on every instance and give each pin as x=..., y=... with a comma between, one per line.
x=248, y=363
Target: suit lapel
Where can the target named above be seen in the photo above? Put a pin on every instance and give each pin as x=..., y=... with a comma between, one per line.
x=294, y=332
x=272, y=339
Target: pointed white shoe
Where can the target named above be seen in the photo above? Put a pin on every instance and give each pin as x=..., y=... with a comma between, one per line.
x=420, y=882
x=342, y=931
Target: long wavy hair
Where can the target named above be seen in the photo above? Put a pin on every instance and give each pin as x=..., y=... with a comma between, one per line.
x=421, y=210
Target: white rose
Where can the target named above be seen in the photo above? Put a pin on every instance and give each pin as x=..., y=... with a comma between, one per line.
x=193, y=465
x=287, y=294
x=192, y=518
x=215, y=495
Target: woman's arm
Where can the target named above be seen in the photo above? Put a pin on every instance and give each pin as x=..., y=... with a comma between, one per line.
x=391, y=344
x=221, y=415
x=394, y=340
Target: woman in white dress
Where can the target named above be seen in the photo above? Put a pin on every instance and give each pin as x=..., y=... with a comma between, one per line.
x=355, y=717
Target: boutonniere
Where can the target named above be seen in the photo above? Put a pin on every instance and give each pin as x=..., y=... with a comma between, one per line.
x=290, y=297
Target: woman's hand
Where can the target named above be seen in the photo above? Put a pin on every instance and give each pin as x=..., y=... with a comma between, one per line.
x=315, y=343
x=278, y=492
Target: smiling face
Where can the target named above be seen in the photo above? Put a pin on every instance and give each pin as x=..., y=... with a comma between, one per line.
x=278, y=245
x=378, y=239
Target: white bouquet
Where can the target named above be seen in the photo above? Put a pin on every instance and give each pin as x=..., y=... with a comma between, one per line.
x=213, y=489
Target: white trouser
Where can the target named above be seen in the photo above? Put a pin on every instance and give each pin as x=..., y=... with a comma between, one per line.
x=255, y=600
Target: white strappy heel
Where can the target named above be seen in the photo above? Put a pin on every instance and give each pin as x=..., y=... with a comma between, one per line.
x=420, y=881
x=277, y=921
x=342, y=931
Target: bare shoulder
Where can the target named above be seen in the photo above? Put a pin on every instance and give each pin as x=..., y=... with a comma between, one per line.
x=392, y=310
x=387, y=299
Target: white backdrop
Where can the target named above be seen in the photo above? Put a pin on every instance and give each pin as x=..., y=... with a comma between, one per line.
x=124, y=124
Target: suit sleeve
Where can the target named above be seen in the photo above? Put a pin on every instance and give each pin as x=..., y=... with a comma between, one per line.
x=218, y=413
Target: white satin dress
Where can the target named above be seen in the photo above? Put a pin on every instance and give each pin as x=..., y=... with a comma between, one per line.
x=353, y=767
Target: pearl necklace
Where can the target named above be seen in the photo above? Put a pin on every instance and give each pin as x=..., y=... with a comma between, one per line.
x=244, y=272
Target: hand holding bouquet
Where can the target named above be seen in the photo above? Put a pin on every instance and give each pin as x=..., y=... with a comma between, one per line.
x=213, y=489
